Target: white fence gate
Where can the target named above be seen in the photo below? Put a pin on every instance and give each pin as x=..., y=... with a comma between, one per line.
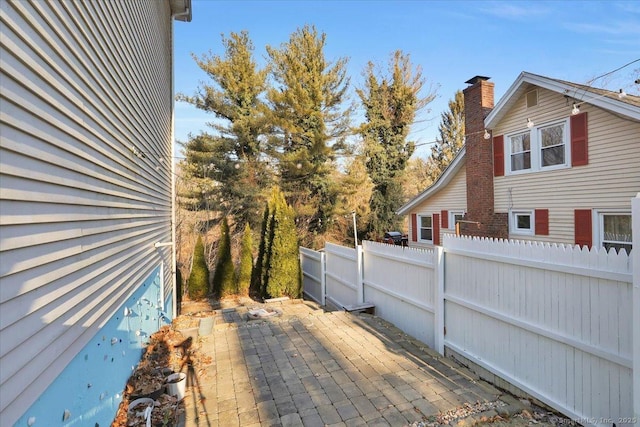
x=560, y=323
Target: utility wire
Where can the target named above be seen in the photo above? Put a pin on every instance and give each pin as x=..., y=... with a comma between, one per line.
x=611, y=72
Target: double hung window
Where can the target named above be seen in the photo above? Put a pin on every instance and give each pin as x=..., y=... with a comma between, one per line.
x=542, y=147
x=426, y=228
x=520, y=152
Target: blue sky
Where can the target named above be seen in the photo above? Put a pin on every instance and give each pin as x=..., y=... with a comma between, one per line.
x=451, y=40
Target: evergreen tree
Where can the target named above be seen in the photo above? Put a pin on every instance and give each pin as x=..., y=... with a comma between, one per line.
x=231, y=156
x=310, y=125
x=280, y=273
x=391, y=104
x=451, y=139
x=258, y=269
x=194, y=193
x=224, y=280
x=199, y=277
x=246, y=262
x=284, y=277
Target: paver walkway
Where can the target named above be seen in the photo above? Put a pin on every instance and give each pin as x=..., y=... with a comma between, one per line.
x=309, y=367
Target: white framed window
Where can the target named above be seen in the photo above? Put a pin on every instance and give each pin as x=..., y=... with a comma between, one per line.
x=426, y=228
x=543, y=147
x=521, y=222
x=613, y=230
x=520, y=151
x=454, y=217
x=553, y=145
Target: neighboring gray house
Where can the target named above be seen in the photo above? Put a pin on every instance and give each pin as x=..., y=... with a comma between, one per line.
x=86, y=192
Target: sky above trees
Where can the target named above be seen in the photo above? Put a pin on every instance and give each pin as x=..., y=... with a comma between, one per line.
x=452, y=41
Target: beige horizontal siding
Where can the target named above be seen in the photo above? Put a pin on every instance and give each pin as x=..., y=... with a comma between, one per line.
x=82, y=84
x=453, y=197
x=609, y=181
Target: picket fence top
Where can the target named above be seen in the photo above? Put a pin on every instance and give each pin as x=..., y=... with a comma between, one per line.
x=545, y=252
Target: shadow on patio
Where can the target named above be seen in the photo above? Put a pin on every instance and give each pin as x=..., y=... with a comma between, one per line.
x=311, y=367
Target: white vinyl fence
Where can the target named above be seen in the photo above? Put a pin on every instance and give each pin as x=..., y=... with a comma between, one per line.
x=555, y=321
x=343, y=275
x=313, y=274
x=401, y=282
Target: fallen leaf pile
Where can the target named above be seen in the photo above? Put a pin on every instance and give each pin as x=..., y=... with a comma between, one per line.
x=165, y=413
x=144, y=381
x=167, y=352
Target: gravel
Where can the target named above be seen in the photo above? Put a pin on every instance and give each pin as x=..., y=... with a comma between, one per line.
x=493, y=414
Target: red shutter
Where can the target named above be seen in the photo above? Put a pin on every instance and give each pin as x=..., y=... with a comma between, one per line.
x=445, y=219
x=542, y=222
x=414, y=228
x=436, y=229
x=498, y=155
x=579, y=140
x=583, y=227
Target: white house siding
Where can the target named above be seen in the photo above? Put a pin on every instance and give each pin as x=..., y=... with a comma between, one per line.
x=609, y=181
x=85, y=157
x=453, y=197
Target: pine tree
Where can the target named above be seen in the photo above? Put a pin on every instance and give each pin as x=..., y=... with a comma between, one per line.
x=391, y=104
x=310, y=125
x=232, y=154
x=199, y=277
x=224, y=280
x=451, y=139
x=246, y=262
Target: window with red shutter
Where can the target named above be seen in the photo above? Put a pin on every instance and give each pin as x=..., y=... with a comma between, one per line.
x=583, y=227
x=579, y=140
x=445, y=219
x=436, y=229
x=542, y=222
x=414, y=228
x=498, y=155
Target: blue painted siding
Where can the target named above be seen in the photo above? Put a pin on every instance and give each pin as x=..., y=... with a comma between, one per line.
x=91, y=386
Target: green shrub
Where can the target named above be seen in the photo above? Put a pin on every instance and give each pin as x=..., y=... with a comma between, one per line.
x=199, y=278
x=280, y=274
x=224, y=276
x=257, y=274
x=246, y=262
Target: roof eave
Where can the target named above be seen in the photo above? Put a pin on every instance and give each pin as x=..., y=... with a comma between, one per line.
x=440, y=183
x=512, y=94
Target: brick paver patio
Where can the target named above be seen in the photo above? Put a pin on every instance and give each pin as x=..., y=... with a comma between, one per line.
x=310, y=367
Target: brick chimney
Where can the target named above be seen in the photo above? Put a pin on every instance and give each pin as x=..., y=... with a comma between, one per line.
x=478, y=103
